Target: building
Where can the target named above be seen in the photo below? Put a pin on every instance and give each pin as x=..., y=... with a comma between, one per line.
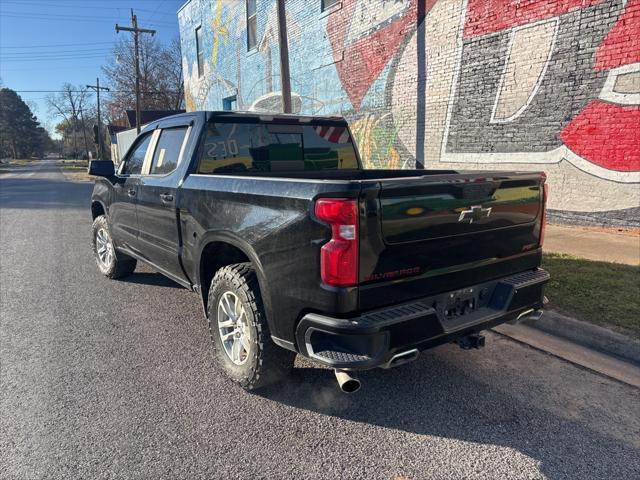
x=462, y=84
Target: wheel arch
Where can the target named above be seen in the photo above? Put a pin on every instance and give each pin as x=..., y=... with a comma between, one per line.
x=220, y=250
x=97, y=209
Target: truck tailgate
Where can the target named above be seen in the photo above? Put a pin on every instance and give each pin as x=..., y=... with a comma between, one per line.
x=430, y=234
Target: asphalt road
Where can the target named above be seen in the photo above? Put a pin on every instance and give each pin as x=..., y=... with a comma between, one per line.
x=115, y=379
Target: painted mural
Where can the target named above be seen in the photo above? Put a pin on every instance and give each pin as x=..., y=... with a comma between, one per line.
x=463, y=84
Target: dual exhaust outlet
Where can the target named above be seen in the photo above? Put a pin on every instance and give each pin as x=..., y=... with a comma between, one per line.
x=349, y=382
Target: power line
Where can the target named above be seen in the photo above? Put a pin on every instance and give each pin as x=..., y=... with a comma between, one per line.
x=60, y=53
x=62, y=15
x=85, y=18
x=55, y=45
x=54, y=59
x=40, y=53
x=156, y=9
x=82, y=6
x=49, y=68
x=84, y=91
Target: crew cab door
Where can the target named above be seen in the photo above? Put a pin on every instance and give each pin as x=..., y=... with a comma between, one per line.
x=122, y=212
x=159, y=236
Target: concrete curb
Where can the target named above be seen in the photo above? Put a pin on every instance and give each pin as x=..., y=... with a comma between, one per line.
x=588, y=335
x=569, y=351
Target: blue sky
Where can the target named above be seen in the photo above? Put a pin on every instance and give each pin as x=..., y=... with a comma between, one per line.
x=45, y=43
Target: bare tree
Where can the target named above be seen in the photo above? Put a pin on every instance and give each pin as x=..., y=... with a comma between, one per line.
x=172, y=80
x=68, y=104
x=160, y=77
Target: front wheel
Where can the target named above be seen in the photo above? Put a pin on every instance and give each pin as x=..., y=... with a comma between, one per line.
x=111, y=264
x=241, y=341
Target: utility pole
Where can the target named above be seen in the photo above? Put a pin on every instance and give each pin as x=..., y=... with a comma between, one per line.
x=285, y=79
x=97, y=89
x=75, y=134
x=136, y=31
x=84, y=134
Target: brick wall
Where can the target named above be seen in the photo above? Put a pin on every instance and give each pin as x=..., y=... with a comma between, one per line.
x=463, y=84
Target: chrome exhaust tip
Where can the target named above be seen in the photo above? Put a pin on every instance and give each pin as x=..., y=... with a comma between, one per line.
x=402, y=358
x=346, y=382
x=531, y=315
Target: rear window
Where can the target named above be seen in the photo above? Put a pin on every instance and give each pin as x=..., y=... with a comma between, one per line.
x=246, y=147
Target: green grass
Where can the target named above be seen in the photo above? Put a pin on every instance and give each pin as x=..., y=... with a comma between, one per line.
x=10, y=165
x=606, y=294
x=72, y=163
x=75, y=170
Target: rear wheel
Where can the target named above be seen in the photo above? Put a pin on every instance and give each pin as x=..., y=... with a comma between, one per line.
x=111, y=263
x=241, y=341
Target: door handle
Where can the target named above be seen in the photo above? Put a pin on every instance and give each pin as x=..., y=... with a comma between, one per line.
x=166, y=197
x=131, y=192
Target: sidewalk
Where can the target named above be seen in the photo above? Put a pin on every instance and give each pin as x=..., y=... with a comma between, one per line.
x=623, y=247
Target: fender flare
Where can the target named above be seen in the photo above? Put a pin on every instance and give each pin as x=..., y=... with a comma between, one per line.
x=100, y=202
x=234, y=240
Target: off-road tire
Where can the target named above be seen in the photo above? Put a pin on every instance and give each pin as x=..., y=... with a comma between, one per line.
x=121, y=265
x=267, y=363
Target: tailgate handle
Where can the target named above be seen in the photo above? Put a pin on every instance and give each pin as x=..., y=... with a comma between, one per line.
x=166, y=197
x=131, y=192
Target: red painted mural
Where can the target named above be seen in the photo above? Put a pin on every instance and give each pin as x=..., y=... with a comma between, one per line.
x=622, y=45
x=491, y=16
x=607, y=135
x=362, y=48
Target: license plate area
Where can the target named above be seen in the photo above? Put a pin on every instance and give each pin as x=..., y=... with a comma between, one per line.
x=461, y=302
x=465, y=307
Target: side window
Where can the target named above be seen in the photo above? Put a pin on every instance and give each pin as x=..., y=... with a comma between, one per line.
x=165, y=158
x=252, y=25
x=230, y=103
x=199, y=52
x=327, y=4
x=134, y=161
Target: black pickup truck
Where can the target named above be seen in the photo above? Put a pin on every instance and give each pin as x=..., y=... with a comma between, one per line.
x=294, y=248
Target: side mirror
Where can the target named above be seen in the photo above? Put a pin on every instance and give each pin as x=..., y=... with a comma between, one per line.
x=102, y=168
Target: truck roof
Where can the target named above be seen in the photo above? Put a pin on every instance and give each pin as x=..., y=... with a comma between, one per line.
x=262, y=117
x=270, y=115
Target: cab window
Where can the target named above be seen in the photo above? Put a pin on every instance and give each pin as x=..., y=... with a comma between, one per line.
x=166, y=156
x=135, y=159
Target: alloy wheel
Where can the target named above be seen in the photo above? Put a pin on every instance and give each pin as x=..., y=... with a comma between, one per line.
x=234, y=328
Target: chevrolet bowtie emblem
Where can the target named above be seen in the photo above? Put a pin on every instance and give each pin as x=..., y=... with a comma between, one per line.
x=475, y=212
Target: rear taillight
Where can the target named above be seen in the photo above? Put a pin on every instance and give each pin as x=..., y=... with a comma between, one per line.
x=339, y=257
x=543, y=219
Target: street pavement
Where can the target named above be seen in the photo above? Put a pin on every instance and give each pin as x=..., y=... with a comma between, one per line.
x=115, y=379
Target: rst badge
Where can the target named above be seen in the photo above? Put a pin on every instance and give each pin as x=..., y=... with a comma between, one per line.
x=474, y=213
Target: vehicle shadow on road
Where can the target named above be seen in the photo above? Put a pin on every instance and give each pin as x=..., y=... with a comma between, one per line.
x=151, y=278
x=434, y=397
